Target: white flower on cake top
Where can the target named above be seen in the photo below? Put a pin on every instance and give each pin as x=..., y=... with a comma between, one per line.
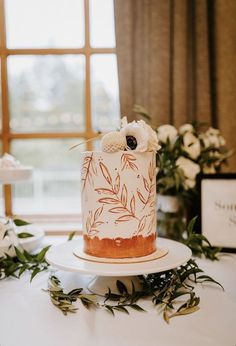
x=11, y=170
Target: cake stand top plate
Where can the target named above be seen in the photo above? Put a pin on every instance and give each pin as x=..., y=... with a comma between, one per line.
x=14, y=175
x=62, y=257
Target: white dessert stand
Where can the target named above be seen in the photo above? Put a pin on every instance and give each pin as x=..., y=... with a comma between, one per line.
x=62, y=257
x=13, y=175
x=10, y=176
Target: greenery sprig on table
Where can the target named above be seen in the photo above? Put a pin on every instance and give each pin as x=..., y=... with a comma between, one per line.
x=165, y=290
x=23, y=261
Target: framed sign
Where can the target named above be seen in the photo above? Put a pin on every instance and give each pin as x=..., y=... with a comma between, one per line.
x=218, y=209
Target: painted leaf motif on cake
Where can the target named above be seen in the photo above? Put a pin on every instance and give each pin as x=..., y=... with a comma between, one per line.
x=118, y=210
x=142, y=224
x=132, y=205
x=125, y=218
x=93, y=223
x=98, y=212
x=152, y=221
x=104, y=191
x=146, y=185
x=105, y=172
x=88, y=167
x=151, y=170
x=141, y=197
x=88, y=221
x=124, y=195
x=117, y=184
x=108, y=200
x=128, y=162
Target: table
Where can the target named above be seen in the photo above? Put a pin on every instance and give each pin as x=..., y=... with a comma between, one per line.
x=27, y=317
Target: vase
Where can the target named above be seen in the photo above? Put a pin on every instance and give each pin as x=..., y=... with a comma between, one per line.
x=171, y=217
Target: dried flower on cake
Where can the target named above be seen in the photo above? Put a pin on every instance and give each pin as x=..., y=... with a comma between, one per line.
x=113, y=141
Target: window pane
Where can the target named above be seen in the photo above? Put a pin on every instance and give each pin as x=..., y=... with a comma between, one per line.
x=55, y=186
x=102, y=29
x=43, y=23
x=46, y=93
x=105, y=94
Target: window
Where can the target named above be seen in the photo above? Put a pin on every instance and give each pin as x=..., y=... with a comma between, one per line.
x=59, y=87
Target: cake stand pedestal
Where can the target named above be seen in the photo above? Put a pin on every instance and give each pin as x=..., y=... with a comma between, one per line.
x=106, y=274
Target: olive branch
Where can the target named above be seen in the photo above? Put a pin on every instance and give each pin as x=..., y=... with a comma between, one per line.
x=164, y=289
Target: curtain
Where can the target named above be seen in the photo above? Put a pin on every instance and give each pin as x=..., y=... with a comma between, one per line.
x=167, y=61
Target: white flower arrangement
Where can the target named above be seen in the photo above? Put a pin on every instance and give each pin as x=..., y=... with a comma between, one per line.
x=186, y=152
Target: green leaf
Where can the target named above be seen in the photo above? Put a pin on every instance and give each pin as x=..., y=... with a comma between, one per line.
x=22, y=269
x=110, y=309
x=191, y=224
x=137, y=307
x=19, y=222
x=20, y=255
x=71, y=235
x=121, y=287
x=76, y=291
x=41, y=255
x=121, y=308
x=186, y=311
x=34, y=273
x=23, y=235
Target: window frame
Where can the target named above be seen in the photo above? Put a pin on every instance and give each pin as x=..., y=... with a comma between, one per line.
x=6, y=136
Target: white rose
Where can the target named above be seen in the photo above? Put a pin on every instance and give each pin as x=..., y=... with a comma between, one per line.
x=167, y=131
x=189, y=168
x=222, y=141
x=189, y=183
x=213, y=138
x=191, y=145
x=186, y=128
x=209, y=169
x=212, y=131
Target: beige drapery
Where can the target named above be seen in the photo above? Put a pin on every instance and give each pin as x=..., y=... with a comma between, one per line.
x=174, y=60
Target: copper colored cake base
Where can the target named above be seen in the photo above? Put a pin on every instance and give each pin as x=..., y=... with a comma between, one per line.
x=136, y=246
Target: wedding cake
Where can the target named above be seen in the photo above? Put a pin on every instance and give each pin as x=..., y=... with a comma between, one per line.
x=119, y=193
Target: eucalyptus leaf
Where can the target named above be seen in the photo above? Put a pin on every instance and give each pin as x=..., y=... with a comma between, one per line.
x=121, y=287
x=110, y=309
x=121, y=308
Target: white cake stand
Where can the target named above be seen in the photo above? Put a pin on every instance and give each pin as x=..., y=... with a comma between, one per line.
x=62, y=257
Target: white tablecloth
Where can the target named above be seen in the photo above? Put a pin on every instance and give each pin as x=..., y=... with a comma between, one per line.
x=27, y=317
